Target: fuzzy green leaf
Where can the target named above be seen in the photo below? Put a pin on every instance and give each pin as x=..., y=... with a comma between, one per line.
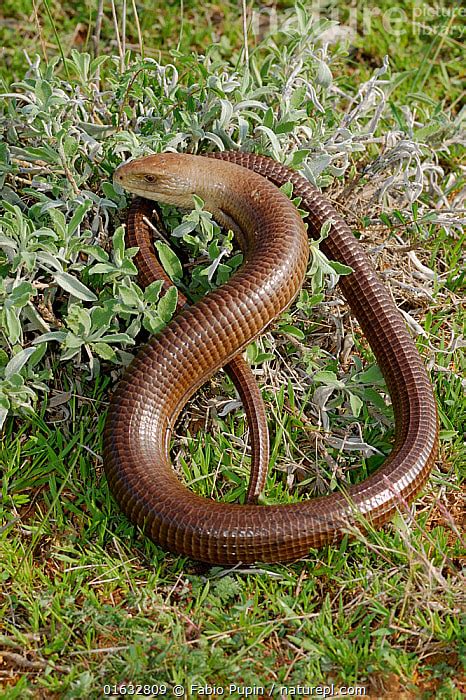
x=73, y=286
x=170, y=261
x=167, y=304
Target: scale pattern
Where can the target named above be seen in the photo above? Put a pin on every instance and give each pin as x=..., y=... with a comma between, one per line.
x=206, y=336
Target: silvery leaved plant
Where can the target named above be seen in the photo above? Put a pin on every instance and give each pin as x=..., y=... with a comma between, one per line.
x=68, y=289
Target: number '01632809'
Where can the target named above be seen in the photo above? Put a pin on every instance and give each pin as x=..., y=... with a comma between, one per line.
x=129, y=689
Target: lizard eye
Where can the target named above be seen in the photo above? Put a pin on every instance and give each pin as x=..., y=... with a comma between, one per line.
x=150, y=178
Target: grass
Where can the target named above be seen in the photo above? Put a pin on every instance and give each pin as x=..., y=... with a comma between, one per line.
x=94, y=603
x=86, y=600
x=426, y=48
x=423, y=42
x=186, y=26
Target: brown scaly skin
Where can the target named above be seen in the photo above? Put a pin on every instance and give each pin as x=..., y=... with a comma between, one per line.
x=139, y=233
x=205, y=337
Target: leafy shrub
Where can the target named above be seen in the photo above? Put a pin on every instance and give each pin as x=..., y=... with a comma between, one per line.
x=65, y=275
